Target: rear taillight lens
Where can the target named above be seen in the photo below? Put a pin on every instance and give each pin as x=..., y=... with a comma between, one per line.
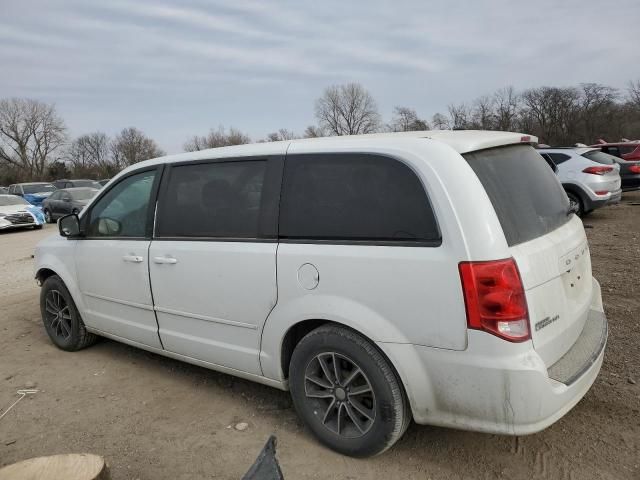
x=494, y=299
x=597, y=170
x=634, y=168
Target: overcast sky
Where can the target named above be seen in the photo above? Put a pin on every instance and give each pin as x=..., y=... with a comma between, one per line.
x=176, y=68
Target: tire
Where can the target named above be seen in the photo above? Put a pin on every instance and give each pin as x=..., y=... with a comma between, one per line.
x=47, y=216
x=575, y=199
x=359, y=424
x=65, y=328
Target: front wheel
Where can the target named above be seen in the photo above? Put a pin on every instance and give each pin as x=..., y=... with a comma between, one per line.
x=47, y=216
x=347, y=393
x=61, y=317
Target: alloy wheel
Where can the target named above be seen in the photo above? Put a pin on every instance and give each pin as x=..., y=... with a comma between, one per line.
x=58, y=315
x=341, y=394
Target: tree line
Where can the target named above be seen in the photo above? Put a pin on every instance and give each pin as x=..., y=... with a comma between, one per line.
x=35, y=145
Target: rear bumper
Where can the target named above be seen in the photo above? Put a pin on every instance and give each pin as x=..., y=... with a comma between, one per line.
x=615, y=197
x=496, y=386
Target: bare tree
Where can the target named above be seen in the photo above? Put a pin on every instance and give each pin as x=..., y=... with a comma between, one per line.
x=91, y=153
x=506, y=109
x=131, y=146
x=314, y=132
x=482, y=114
x=347, y=110
x=460, y=116
x=556, y=112
x=282, y=134
x=634, y=92
x=30, y=134
x=406, y=120
x=440, y=122
x=216, y=138
x=597, y=106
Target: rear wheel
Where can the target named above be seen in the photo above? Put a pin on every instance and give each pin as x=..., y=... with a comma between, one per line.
x=61, y=318
x=347, y=393
x=575, y=203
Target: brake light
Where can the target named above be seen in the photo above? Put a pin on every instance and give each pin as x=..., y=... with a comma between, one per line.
x=494, y=299
x=634, y=168
x=597, y=170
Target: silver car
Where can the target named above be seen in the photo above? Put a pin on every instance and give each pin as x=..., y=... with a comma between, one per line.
x=590, y=177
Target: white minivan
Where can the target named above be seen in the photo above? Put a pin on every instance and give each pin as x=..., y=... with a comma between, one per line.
x=435, y=276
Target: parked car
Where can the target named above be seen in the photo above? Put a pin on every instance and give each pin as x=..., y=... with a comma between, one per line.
x=66, y=201
x=4, y=190
x=77, y=183
x=104, y=181
x=16, y=212
x=629, y=150
x=34, y=192
x=437, y=276
x=629, y=173
x=590, y=178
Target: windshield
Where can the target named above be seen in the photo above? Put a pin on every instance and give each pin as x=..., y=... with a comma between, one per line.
x=526, y=195
x=30, y=188
x=86, y=183
x=7, y=200
x=599, y=157
x=83, y=193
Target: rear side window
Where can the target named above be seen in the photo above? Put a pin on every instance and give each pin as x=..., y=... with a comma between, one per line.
x=216, y=199
x=354, y=197
x=559, y=158
x=526, y=195
x=599, y=157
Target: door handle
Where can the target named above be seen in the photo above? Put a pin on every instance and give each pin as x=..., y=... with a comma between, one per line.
x=133, y=258
x=167, y=260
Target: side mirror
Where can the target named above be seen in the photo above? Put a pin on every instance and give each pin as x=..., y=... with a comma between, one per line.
x=109, y=227
x=69, y=225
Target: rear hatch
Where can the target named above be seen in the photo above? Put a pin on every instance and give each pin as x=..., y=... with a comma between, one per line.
x=611, y=180
x=548, y=244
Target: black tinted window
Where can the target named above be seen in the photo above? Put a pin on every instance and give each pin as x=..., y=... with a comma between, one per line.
x=354, y=197
x=212, y=200
x=558, y=158
x=526, y=195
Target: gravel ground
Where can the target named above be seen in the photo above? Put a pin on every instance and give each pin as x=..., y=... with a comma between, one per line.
x=155, y=418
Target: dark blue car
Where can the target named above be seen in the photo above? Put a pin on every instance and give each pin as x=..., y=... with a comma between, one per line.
x=34, y=193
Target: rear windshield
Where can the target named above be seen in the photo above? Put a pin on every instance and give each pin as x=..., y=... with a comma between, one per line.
x=83, y=193
x=599, y=157
x=86, y=183
x=30, y=188
x=525, y=193
x=624, y=149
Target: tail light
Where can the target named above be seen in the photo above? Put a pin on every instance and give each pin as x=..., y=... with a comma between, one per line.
x=494, y=299
x=597, y=170
x=634, y=168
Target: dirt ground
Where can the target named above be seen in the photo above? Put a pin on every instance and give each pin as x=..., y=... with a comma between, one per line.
x=156, y=418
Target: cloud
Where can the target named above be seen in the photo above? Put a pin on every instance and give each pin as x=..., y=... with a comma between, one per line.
x=259, y=65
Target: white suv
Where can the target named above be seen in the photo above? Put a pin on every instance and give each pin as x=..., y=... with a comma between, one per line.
x=590, y=178
x=433, y=276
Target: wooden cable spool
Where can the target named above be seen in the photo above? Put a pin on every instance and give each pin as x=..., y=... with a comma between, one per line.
x=71, y=466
